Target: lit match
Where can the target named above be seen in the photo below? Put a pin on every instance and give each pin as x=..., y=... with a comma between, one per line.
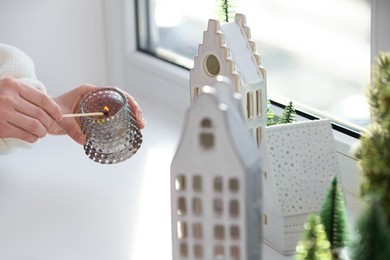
x=86, y=114
x=104, y=113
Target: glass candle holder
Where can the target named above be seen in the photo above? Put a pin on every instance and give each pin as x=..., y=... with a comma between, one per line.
x=114, y=136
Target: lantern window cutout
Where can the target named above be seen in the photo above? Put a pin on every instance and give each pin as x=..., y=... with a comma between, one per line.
x=212, y=65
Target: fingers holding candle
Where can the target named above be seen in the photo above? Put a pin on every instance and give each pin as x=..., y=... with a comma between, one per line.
x=27, y=113
x=70, y=101
x=134, y=106
x=115, y=138
x=137, y=111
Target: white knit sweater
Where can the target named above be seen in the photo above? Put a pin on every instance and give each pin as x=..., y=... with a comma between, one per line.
x=16, y=64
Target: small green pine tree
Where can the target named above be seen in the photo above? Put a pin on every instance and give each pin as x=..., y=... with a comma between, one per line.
x=288, y=115
x=314, y=245
x=271, y=117
x=226, y=10
x=373, y=235
x=379, y=91
x=334, y=219
x=373, y=153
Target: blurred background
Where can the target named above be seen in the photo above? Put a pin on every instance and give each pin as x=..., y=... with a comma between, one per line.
x=55, y=203
x=65, y=39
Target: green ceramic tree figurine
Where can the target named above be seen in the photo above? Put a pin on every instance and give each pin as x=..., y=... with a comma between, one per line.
x=314, y=245
x=334, y=218
x=373, y=154
x=373, y=235
x=272, y=119
x=226, y=10
x=288, y=115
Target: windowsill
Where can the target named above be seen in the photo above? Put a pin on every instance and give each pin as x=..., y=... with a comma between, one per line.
x=173, y=79
x=128, y=201
x=147, y=70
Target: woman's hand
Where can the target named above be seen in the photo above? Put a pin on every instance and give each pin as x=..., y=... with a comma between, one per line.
x=69, y=103
x=26, y=113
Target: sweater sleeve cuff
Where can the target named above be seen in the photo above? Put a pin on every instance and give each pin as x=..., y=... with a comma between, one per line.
x=16, y=64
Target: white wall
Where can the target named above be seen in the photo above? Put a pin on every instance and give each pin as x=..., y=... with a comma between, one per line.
x=65, y=39
x=55, y=203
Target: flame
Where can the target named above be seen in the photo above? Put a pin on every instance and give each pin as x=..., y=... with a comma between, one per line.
x=106, y=108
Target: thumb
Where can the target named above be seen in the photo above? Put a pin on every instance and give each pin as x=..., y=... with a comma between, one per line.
x=72, y=129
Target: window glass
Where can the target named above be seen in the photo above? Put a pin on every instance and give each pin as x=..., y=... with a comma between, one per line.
x=316, y=53
x=206, y=140
x=183, y=249
x=219, y=232
x=198, y=251
x=235, y=232
x=181, y=229
x=233, y=185
x=197, y=230
x=180, y=183
x=234, y=208
x=218, y=184
x=197, y=183
x=219, y=251
x=218, y=207
x=197, y=206
x=181, y=207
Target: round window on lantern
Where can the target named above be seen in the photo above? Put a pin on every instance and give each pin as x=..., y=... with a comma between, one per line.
x=212, y=65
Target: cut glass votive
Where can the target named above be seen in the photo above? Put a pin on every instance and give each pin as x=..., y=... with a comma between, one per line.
x=115, y=136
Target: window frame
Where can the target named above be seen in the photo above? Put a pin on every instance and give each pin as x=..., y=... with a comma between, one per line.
x=134, y=69
x=380, y=38
x=380, y=19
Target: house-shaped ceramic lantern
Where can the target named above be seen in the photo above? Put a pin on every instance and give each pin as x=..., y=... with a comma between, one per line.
x=301, y=160
x=228, y=50
x=216, y=181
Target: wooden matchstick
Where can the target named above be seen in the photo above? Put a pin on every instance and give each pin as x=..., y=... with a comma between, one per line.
x=86, y=114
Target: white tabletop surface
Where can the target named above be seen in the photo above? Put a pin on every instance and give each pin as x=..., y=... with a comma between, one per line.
x=55, y=203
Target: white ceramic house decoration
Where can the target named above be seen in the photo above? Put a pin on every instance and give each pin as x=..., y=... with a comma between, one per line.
x=228, y=50
x=302, y=161
x=216, y=182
